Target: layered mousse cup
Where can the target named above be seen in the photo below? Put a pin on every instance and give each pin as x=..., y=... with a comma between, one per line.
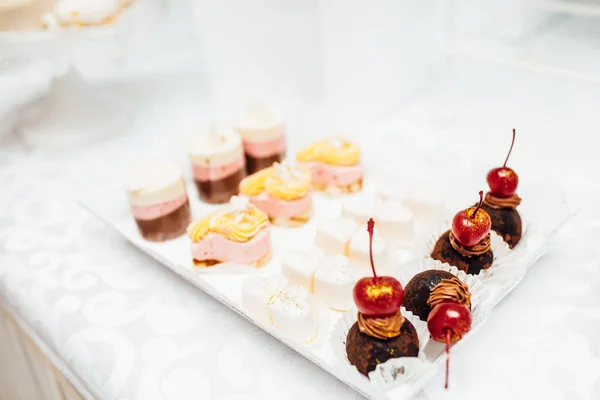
x=283, y=192
x=237, y=232
x=334, y=164
x=218, y=165
x=158, y=200
x=262, y=132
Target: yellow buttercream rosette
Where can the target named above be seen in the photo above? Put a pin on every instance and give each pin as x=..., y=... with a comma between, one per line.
x=280, y=181
x=254, y=184
x=333, y=151
x=238, y=224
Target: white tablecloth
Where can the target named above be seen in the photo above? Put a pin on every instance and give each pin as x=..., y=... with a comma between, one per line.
x=120, y=326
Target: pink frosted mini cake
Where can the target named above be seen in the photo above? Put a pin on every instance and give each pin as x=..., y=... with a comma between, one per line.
x=262, y=131
x=158, y=200
x=218, y=164
x=334, y=164
x=283, y=192
x=238, y=232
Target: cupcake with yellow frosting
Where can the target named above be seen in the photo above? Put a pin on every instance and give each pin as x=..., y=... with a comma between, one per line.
x=282, y=191
x=334, y=164
x=238, y=232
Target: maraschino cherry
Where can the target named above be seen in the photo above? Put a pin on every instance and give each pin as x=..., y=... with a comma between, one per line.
x=377, y=296
x=448, y=322
x=471, y=225
x=503, y=181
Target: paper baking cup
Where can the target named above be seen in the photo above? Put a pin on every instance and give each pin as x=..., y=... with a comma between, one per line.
x=480, y=304
x=394, y=372
x=427, y=242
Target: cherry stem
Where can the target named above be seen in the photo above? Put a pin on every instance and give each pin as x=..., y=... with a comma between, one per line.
x=370, y=226
x=478, y=205
x=511, y=146
x=448, y=337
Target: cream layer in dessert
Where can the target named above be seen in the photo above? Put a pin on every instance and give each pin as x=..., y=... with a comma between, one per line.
x=158, y=200
x=334, y=164
x=282, y=191
x=262, y=131
x=258, y=291
x=238, y=232
x=218, y=164
x=293, y=314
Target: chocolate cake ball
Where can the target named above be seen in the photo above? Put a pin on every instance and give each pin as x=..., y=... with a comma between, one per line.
x=506, y=222
x=417, y=291
x=365, y=351
x=444, y=252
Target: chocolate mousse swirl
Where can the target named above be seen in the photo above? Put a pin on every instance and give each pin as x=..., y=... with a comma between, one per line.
x=452, y=289
x=480, y=248
x=498, y=203
x=381, y=327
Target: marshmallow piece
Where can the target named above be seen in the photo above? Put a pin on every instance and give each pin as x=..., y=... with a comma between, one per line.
x=333, y=234
x=426, y=204
x=293, y=314
x=334, y=282
x=299, y=267
x=258, y=291
x=358, y=252
x=395, y=222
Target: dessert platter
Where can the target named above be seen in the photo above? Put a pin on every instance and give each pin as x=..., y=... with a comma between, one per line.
x=374, y=286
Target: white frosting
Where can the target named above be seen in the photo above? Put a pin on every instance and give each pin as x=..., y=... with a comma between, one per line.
x=359, y=255
x=257, y=291
x=333, y=234
x=293, y=314
x=259, y=124
x=152, y=182
x=86, y=11
x=215, y=147
x=299, y=267
x=334, y=281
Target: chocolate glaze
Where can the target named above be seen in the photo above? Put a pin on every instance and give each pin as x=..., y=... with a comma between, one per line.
x=255, y=164
x=418, y=289
x=444, y=252
x=507, y=223
x=220, y=191
x=365, y=352
x=166, y=227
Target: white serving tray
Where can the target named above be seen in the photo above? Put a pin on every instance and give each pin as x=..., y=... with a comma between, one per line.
x=543, y=213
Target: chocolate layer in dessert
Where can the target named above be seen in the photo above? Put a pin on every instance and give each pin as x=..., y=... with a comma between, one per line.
x=221, y=190
x=444, y=252
x=507, y=223
x=166, y=227
x=255, y=164
x=365, y=352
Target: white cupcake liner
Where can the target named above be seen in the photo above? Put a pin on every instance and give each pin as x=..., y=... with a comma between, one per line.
x=430, y=236
x=404, y=371
x=480, y=296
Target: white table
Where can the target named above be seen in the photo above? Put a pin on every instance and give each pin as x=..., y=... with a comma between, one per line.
x=119, y=326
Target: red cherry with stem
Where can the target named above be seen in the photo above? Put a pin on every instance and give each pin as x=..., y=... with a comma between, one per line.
x=471, y=225
x=448, y=322
x=503, y=181
x=377, y=296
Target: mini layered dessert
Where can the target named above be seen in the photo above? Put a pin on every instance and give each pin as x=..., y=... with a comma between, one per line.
x=158, y=199
x=381, y=332
x=502, y=200
x=334, y=164
x=467, y=245
x=445, y=302
x=78, y=13
x=218, y=164
x=262, y=131
x=283, y=192
x=238, y=232
x=327, y=276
